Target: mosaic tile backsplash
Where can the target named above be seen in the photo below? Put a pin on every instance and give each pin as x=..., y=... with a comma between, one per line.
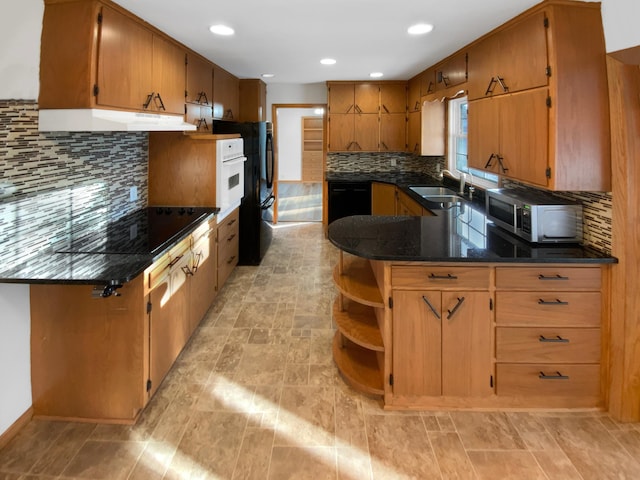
x=50, y=180
x=596, y=206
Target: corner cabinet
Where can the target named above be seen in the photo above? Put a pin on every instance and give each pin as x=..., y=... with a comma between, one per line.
x=538, y=109
x=472, y=335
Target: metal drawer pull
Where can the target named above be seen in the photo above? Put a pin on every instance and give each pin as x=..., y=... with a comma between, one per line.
x=231, y=237
x=231, y=260
x=175, y=260
x=448, y=276
x=435, y=312
x=558, y=339
x=555, y=277
x=557, y=301
x=452, y=312
x=187, y=271
x=557, y=376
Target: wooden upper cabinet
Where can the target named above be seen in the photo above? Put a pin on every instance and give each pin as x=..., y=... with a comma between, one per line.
x=366, y=132
x=428, y=82
x=393, y=132
x=125, y=62
x=226, y=91
x=169, y=76
x=511, y=60
x=393, y=98
x=367, y=97
x=253, y=100
x=452, y=71
x=199, y=80
x=414, y=93
x=341, y=98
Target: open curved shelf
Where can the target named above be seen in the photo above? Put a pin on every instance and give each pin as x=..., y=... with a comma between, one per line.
x=359, y=324
x=357, y=282
x=358, y=365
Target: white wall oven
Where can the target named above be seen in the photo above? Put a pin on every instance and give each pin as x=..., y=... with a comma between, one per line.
x=229, y=175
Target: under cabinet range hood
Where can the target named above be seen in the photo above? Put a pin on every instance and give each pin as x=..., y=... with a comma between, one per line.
x=100, y=120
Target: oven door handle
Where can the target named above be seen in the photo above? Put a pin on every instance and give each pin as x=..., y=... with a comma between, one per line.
x=234, y=161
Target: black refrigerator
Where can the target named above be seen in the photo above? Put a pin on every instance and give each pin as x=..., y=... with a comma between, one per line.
x=256, y=208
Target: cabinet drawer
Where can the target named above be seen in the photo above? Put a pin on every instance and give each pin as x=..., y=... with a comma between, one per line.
x=548, y=345
x=548, y=308
x=229, y=226
x=440, y=277
x=548, y=278
x=160, y=270
x=548, y=380
x=228, y=250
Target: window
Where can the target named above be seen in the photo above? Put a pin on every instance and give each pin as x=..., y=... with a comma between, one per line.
x=457, y=151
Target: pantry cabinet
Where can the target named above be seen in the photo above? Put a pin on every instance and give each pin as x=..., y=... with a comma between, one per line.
x=95, y=54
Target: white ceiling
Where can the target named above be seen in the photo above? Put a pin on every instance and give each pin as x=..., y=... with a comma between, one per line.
x=289, y=37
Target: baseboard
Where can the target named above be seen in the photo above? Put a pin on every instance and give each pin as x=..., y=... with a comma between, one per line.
x=13, y=430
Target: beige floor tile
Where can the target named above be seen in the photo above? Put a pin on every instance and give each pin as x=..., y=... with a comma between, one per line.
x=303, y=463
x=107, y=460
x=58, y=456
x=350, y=425
x=354, y=464
x=400, y=448
x=556, y=465
x=261, y=365
x=255, y=455
x=506, y=465
x=486, y=431
x=630, y=440
x=299, y=350
x=451, y=456
x=154, y=461
x=26, y=448
x=306, y=417
x=257, y=315
x=296, y=374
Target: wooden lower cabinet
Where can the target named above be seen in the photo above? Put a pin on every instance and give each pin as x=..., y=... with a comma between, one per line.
x=228, y=245
x=472, y=335
x=101, y=359
x=383, y=199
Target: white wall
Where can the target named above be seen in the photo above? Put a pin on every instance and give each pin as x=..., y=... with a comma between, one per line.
x=293, y=93
x=290, y=142
x=620, y=19
x=20, y=27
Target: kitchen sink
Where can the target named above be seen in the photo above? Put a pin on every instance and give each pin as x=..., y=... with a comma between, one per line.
x=437, y=194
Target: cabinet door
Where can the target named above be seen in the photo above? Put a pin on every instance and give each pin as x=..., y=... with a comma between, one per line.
x=168, y=330
x=169, y=75
x=524, y=132
x=225, y=95
x=428, y=83
x=408, y=206
x=341, y=98
x=452, y=72
x=341, y=132
x=367, y=98
x=199, y=81
x=466, y=344
x=482, y=65
x=393, y=98
x=393, y=132
x=383, y=199
x=414, y=93
x=204, y=281
x=483, y=134
x=125, y=59
x=414, y=133
x=417, y=350
x=366, y=132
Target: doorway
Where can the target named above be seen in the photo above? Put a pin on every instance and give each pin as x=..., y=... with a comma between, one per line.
x=299, y=133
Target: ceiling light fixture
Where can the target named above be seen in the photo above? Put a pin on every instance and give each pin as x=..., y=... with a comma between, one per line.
x=221, y=30
x=268, y=75
x=420, y=28
x=328, y=61
x=376, y=74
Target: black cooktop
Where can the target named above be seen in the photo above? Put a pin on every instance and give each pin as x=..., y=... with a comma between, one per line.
x=145, y=231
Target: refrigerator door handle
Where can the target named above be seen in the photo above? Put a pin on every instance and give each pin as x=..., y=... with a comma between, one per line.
x=270, y=164
x=271, y=199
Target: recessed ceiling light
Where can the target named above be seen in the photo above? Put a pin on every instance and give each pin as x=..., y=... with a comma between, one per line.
x=420, y=28
x=327, y=61
x=376, y=74
x=268, y=75
x=221, y=30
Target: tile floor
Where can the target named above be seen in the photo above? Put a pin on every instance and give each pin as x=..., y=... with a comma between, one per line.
x=255, y=395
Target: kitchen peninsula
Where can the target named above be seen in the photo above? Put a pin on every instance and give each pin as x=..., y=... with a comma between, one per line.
x=448, y=311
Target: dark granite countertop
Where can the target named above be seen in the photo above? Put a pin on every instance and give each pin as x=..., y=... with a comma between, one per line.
x=113, y=255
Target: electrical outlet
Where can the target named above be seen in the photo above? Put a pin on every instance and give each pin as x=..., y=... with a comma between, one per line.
x=133, y=194
x=393, y=162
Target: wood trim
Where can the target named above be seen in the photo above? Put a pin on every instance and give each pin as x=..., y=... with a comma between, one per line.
x=629, y=56
x=624, y=98
x=15, y=428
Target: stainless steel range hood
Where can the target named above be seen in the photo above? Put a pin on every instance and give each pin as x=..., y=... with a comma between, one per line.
x=99, y=120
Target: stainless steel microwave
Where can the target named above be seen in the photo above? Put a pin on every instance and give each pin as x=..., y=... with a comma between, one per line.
x=535, y=216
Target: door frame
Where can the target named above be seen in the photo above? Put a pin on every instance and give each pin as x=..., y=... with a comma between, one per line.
x=274, y=121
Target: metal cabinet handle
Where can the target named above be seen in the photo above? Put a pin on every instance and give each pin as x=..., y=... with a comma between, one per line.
x=196, y=263
x=199, y=99
x=158, y=97
x=488, y=164
x=554, y=302
x=384, y=145
x=175, y=260
x=231, y=260
x=491, y=86
x=557, y=376
x=430, y=87
x=147, y=102
x=416, y=106
x=502, y=84
x=555, y=277
x=231, y=237
x=557, y=339
x=187, y=271
x=231, y=222
x=452, y=312
x=385, y=108
x=435, y=312
x=501, y=163
x=448, y=276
